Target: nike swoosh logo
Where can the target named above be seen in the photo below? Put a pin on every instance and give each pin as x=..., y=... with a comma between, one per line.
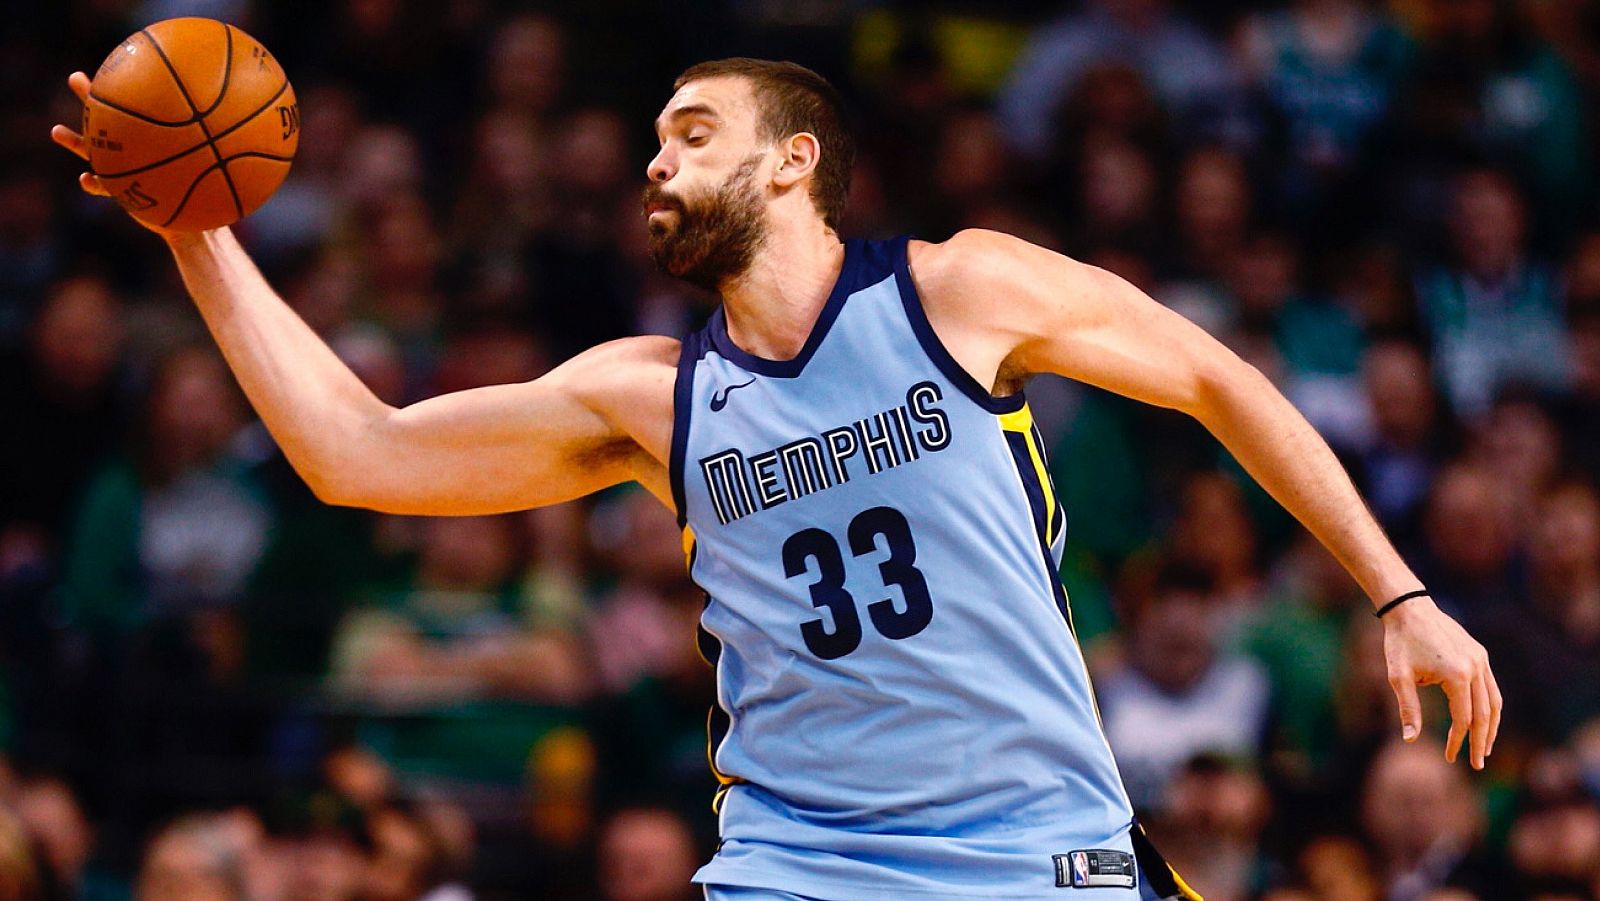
x=720, y=399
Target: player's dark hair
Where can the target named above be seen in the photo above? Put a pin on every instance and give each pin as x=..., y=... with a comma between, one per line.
x=794, y=99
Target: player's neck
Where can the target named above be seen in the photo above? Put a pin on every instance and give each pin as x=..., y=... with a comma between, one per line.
x=772, y=305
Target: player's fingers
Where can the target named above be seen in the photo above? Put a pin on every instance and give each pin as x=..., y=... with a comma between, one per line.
x=1458, y=689
x=69, y=139
x=79, y=83
x=1480, y=720
x=1496, y=704
x=92, y=185
x=1405, y=691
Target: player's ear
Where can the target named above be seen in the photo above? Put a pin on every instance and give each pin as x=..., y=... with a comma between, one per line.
x=798, y=157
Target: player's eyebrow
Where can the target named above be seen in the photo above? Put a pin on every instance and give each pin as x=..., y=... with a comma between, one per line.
x=692, y=109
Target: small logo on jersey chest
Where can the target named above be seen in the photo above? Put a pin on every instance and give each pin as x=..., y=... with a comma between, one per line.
x=1096, y=868
x=719, y=399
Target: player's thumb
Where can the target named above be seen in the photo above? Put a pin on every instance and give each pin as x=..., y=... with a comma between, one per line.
x=1405, y=689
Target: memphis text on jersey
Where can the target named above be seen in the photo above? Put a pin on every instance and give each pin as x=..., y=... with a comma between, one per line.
x=740, y=485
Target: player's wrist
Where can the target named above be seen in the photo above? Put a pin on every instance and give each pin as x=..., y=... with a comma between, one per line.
x=1414, y=607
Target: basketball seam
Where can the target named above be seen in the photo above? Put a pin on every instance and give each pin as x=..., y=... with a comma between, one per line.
x=219, y=135
x=221, y=164
x=227, y=73
x=184, y=90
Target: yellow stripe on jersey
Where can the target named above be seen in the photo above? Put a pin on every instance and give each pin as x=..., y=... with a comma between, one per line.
x=1021, y=422
x=688, y=546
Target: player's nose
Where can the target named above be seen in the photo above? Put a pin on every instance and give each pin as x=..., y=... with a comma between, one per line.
x=661, y=168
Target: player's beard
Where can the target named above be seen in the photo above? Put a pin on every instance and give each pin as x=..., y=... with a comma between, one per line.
x=717, y=233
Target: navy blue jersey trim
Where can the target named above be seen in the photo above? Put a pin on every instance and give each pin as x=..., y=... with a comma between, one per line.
x=934, y=348
x=682, y=399
x=1018, y=443
x=849, y=281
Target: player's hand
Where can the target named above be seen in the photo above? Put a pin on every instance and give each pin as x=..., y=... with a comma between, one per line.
x=66, y=137
x=1424, y=646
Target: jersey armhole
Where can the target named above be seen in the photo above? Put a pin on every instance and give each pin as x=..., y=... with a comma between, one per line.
x=934, y=348
x=682, y=399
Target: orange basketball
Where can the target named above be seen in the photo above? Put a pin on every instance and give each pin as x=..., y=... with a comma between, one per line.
x=191, y=124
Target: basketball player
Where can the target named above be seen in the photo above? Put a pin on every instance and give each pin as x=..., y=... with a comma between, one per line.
x=902, y=708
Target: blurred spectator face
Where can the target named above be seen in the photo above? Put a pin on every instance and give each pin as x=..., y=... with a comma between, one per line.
x=60, y=831
x=1174, y=638
x=405, y=246
x=1566, y=534
x=1214, y=529
x=194, y=410
x=186, y=864
x=1225, y=804
x=78, y=335
x=1337, y=869
x=646, y=855
x=1400, y=390
x=1488, y=224
x=1557, y=835
x=1213, y=202
x=1112, y=100
x=1562, y=841
x=1415, y=801
x=467, y=553
x=972, y=160
x=398, y=869
x=1118, y=188
x=380, y=162
x=359, y=775
x=1521, y=444
x=592, y=152
x=1263, y=277
x=324, y=296
x=1376, y=285
x=509, y=155
x=1468, y=526
x=526, y=63
x=329, y=116
x=1449, y=894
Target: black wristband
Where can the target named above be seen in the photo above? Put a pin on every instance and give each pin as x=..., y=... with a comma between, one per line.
x=1419, y=593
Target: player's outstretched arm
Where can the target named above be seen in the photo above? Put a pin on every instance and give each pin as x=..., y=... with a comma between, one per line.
x=488, y=450
x=1085, y=323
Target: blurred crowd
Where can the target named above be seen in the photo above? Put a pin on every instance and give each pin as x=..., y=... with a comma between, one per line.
x=214, y=687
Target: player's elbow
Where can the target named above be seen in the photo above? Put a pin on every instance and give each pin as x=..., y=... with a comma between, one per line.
x=1221, y=382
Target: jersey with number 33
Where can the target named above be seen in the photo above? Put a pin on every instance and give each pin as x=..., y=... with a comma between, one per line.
x=902, y=707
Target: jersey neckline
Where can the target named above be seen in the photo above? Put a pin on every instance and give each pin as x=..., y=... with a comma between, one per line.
x=845, y=285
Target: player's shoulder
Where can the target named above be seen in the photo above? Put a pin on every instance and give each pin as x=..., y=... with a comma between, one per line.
x=968, y=272
x=975, y=260
x=637, y=369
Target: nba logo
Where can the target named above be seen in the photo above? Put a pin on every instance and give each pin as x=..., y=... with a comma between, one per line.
x=1080, y=868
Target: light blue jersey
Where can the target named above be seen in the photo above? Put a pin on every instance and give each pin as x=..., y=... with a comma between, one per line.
x=903, y=711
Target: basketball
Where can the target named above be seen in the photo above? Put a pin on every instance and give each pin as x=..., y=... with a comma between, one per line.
x=191, y=124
